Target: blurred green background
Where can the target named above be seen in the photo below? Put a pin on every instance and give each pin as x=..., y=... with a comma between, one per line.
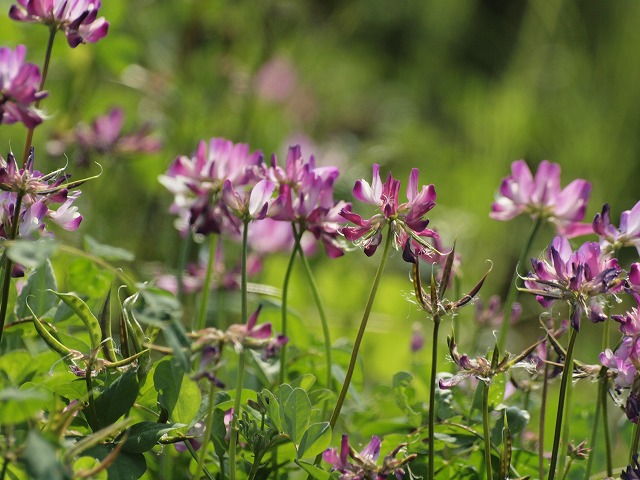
x=459, y=89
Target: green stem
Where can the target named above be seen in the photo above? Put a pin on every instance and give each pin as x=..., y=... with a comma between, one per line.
x=513, y=286
x=207, y=432
x=543, y=412
x=285, y=308
x=634, y=442
x=594, y=430
x=45, y=69
x=567, y=374
x=432, y=396
x=604, y=387
x=486, y=432
x=361, y=330
x=323, y=318
x=206, y=287
x=8, y=266
x=195, y=456
x=564, y=441
x=240, y=376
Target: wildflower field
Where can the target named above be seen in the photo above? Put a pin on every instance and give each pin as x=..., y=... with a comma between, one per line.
x=319, y=240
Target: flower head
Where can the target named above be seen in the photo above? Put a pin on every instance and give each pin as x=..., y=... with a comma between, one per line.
x=364, y=465
x=407, y=220
x=541, y=198
x=197, y=183
x=612, y=238
x=19, y=88
x=77, y=18
x=621, y=363
x=574, y=276
x=37, y=193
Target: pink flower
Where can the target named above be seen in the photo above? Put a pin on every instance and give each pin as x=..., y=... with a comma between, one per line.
x=540, y=197
x=77, y=18
x=407, y=219
x=612, y=238
x=575, y=277
x=197, y=183
x=621, y=362
x=19, y=88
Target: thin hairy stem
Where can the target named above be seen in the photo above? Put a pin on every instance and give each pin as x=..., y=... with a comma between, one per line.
x=207, y=432
x=543, y=414
x=206, y=287
x=513, y=286
x=240, y=375
x=604, y=387
x=285, y=306
x=361, y=330
x=567, y=374
x=45, y=69
x=486, y=432
x=432, y=395
x=323, y=318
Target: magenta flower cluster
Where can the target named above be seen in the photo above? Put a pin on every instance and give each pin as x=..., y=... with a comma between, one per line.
x=19, y=88
x=78, y=19
x=541, y=197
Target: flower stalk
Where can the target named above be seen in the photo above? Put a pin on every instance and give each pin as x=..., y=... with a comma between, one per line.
x=485, y=430
x=567, y=374
x=432, y=395
x=513, y=286
x=361, y=330
x=242, y=356
x=285, y=306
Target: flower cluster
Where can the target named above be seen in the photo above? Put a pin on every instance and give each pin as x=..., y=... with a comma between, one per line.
x=218, y=190
x=541, y=197
x=407, y=220
x=77, y=18
x=364, y=465
x=576, y=277
x=250, y=335
x=19, y=88
x=612, y=238
x=35, y=193
x=105, y=136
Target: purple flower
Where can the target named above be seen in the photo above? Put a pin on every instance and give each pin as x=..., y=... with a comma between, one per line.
x=364, y=465
x=540, y=197
x=574, y=276
x=621, y=362
x=77, y=18
x=612, y=238
x=197, y=183
x=19, y=88
x=632, y=472
x=407, y=220
x=105, y=136
x=38, y=193
x=251, y=335
x=248, y=204
x=305, y=198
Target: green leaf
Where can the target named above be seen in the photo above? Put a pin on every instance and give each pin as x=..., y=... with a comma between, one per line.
x=127, y=466
x=116, y=400
x=29, y=253
x=106, y=251
x=297, y=413
x=17, y=406
x=314, y=471
x=41, y=459
x=315, y=440
x=87, y=464
x=304, y=382
x=144, y=436
x=177, y=393
x=517, y=419
x=404, y=395
x=35, y=292
x=273, y=409
x=83, y=276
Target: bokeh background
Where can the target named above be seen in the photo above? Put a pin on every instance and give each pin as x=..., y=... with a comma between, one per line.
x=458, y=89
